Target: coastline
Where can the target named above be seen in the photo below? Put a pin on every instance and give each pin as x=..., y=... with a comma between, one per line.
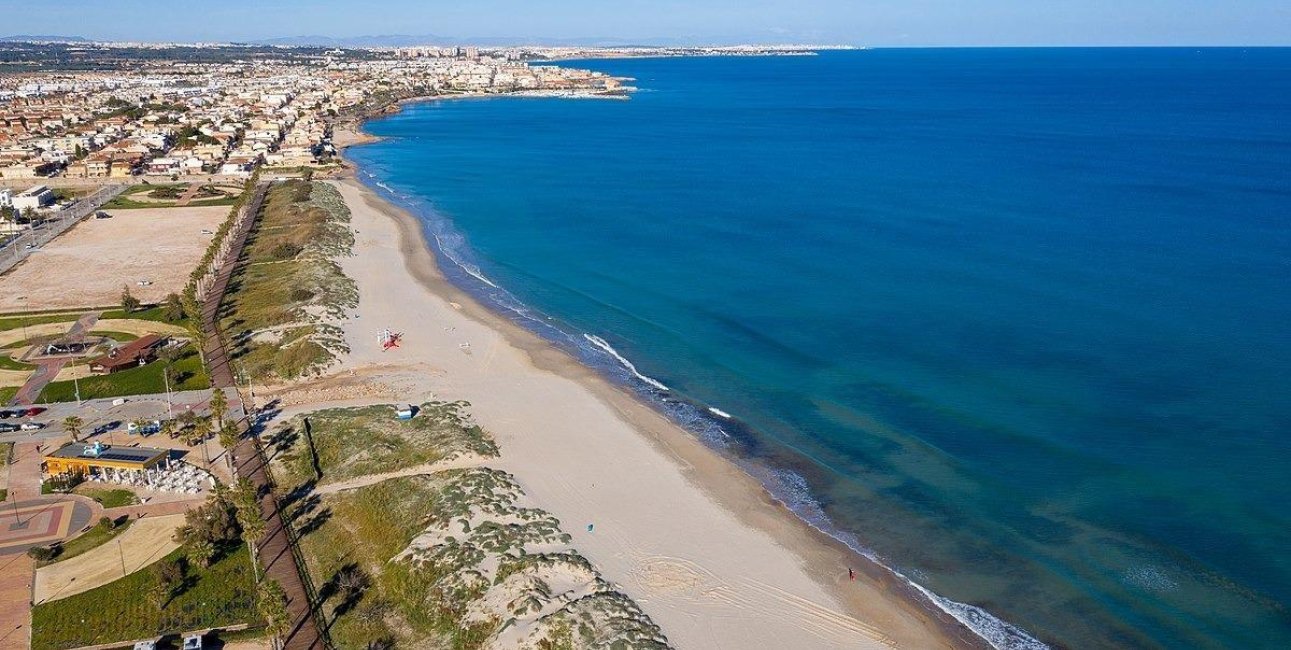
x=890, y=608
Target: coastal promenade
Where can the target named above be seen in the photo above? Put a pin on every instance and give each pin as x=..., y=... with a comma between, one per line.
x=275, y=551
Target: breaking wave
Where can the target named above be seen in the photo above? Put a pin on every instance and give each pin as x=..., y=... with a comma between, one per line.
x=708, y=423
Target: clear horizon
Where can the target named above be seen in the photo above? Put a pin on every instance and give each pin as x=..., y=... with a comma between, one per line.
x=883, y=23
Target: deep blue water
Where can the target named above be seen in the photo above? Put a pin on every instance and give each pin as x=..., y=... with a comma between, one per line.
x=1017, y=319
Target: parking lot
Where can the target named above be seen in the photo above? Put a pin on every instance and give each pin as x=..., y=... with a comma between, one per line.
x=104, y=417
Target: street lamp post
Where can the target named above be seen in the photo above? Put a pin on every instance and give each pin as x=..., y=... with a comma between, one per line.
x=165, y=377
x=17, y=518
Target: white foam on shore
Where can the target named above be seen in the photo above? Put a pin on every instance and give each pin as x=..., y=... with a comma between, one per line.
x=785, y=486
x=1001, y=635
x=602, y=344
x=792, y=491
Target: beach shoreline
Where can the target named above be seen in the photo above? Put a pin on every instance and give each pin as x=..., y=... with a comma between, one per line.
x=892, y=609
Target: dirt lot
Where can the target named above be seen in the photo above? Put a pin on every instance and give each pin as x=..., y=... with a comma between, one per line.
x=88, y=265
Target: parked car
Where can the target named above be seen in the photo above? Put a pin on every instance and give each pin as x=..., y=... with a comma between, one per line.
x=32, y=426
x=146, y=645
x=6, y=427
x=193, y=642
x=34, y=411
x=5, y=415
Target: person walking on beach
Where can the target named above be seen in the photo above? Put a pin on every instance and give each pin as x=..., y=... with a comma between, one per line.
x=851, y=575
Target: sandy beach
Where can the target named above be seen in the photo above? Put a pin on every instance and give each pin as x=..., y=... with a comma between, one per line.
x=699, y=544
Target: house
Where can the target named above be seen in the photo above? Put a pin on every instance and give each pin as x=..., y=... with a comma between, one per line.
x=133, y=354
x=163, y=166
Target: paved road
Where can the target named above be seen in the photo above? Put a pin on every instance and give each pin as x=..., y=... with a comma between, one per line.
x=99, y=412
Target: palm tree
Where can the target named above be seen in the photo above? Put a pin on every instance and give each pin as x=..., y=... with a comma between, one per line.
x=201, y=431
x=273, y=609
x=219, y=407
x=229, y=439
x=72, y=425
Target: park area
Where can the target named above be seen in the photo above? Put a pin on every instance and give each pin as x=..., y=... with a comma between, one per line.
x=24, y=339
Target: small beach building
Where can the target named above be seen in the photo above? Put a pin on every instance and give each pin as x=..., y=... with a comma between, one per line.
x=131, y=355
x=98, y=459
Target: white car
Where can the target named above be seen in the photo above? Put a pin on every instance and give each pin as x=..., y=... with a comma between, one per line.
x=146, y=645
x=193, y=642
x=32, y=426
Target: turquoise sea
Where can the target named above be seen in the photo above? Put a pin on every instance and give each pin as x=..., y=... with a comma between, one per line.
x=1015, y=322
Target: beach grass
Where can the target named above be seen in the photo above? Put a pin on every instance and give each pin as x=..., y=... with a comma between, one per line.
x=366, y=528
x=221, y=595
x=351, y=442
x=280, y=300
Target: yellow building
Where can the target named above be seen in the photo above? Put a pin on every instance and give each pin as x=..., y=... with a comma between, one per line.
x=98, y=458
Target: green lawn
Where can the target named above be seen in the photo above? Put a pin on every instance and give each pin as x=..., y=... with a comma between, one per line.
x=7, y=393
x=168, y=195
x=188, y=374
x=108, y=497
x=14, y=322
x=219, y=596
x=154, y=313
x=9, y=363
x=93, y=538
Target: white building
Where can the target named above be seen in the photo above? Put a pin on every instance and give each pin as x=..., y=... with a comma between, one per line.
x=33, y=199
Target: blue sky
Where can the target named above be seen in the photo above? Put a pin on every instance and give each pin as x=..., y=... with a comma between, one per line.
x=857, y=22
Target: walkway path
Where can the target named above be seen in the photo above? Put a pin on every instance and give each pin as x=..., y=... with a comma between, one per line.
x=48, y=369
x=275, y=551
x=151, y=510
x=143, y=543
x=188, y=195
x=24, y=470
x=16, y=573
x=461, y=462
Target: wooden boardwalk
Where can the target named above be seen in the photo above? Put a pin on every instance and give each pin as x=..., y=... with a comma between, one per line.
x=275, y=552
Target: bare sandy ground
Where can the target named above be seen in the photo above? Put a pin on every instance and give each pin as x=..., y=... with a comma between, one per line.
x=146, y=541
x=695, y=541
x=88, y=265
